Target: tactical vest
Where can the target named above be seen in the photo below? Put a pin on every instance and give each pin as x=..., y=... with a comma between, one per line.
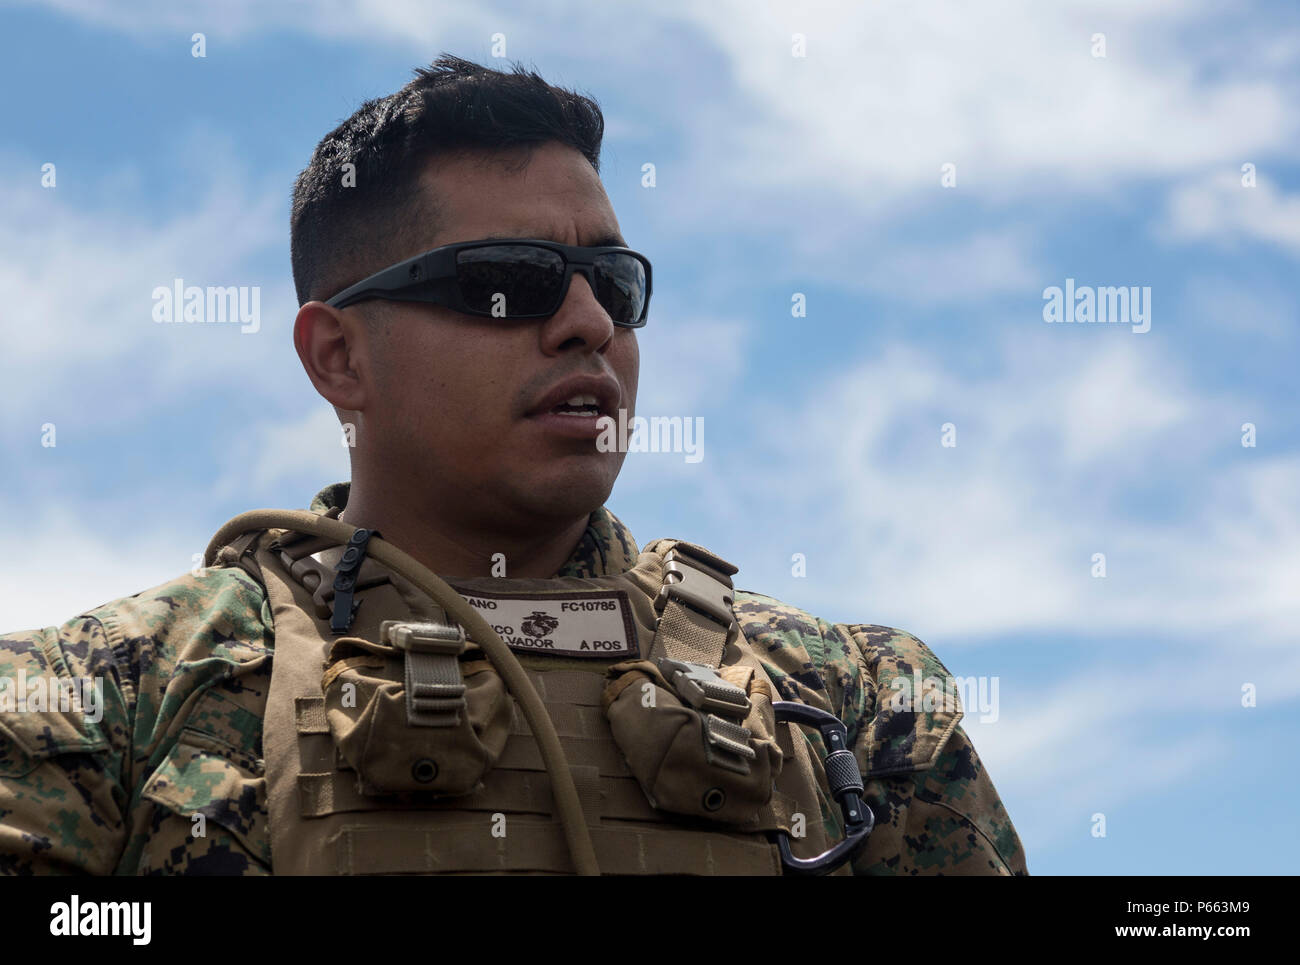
x=394, y=748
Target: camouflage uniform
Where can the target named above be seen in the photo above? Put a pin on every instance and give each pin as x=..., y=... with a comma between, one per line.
x=123, y=795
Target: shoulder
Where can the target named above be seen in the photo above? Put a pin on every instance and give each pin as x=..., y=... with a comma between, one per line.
x=57, y=686
x=199, y=603
x=173, y=638
x=183, y=664
x=937, y=811
x=205, y=634
x=847, y=667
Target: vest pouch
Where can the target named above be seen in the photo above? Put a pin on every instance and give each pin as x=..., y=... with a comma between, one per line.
x=715, y=766
x=416, y=714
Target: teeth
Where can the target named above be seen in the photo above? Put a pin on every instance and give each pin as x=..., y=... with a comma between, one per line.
x=582, y=400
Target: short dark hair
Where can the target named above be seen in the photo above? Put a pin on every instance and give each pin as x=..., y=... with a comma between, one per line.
x=338, y=234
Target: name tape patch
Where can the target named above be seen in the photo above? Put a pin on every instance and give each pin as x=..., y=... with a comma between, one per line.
x=595, y=624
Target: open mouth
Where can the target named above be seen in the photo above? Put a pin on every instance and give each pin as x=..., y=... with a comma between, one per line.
x=578, y=406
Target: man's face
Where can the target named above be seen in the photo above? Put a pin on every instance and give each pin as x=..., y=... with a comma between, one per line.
x=456, y=401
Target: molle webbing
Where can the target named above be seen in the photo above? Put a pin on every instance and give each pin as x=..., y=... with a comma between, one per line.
x=629, y=835
x=323, y=823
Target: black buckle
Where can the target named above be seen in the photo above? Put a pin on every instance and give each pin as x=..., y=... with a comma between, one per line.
x=846, y=787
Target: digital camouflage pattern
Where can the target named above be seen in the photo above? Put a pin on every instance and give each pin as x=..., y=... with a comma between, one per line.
x=193, y=656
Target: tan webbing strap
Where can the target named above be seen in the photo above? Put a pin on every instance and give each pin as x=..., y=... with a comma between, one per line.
x=237, y=547
x=695, y=607
x=458, y=846
x=686, y=634
x=435, y=689
x=524, y=754
x=301, y=646
x=310, y=715
x=297, y=663
x=695, y=625
x=571, y=720
x=504, y=789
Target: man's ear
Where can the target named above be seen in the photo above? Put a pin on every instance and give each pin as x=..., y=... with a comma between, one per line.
x=334, y=348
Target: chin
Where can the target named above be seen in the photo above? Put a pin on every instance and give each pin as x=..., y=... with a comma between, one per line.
x=569, y=492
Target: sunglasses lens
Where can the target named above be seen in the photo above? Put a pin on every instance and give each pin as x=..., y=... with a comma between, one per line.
x=510, y=280
x=621, y=287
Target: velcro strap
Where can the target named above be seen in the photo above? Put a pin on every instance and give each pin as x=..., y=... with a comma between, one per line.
x=727, y=744
x=435, y=689
x=309, y=714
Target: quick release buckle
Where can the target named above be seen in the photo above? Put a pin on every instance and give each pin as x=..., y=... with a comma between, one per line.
x=697, y=584
x=435, y=689
x=723, y=706
x=704, y=689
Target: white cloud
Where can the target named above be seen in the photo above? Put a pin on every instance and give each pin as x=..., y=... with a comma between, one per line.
x=1007, y=90
x=305, y=448
x=1110, y=403
x=984, y=263
x=1102, y=738
x=79, y=286
x=398, y=22
x=1218, y=208
x=687, y=361
x=831, y=148
x=67, y=569
x=1061, y=452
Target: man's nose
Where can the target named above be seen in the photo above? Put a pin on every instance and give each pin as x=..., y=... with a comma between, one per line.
x=580, y=317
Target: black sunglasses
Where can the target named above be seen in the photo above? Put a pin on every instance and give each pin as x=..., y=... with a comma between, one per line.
x=513, y=278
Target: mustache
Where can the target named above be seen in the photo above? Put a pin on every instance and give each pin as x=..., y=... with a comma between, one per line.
x=540, y=383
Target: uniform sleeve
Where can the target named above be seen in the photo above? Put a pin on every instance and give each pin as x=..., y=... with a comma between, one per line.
x=65, y=743
x=944, y=820
x=936, y=809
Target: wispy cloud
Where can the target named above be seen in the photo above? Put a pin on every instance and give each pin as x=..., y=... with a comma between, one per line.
x=1220, y=209
x=306, y=449
x=1008, y=91
x=1103, y=739
x=1062, y=448
x=80, y=280
x=397, y=22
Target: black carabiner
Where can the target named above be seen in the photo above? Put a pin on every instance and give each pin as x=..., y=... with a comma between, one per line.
x=846, y=787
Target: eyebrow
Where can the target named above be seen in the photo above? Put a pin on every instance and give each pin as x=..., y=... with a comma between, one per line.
x=608, y=241
x=603, y=241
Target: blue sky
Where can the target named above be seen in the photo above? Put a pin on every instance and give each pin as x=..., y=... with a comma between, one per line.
x=775, y=174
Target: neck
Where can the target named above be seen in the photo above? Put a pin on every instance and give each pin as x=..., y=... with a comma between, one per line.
x=451, y=548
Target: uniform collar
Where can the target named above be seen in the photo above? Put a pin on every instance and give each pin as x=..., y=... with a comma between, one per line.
x=605, y=549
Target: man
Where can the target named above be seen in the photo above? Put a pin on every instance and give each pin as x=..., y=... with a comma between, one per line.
x=474, y=384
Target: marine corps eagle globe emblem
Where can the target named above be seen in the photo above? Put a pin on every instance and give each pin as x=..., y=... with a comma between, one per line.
x=538, y=624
